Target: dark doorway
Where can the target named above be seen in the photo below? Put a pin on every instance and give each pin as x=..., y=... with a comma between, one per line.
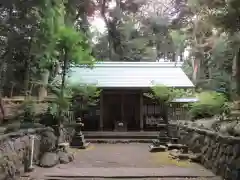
x=121, y=106
x=131, y=104
x=111, y=111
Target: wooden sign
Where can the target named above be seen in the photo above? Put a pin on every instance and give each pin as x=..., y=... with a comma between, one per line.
x=178, y=111
x=150, y=120
x=98, y=112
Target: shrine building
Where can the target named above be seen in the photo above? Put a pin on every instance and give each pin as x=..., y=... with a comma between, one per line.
x=122, y=101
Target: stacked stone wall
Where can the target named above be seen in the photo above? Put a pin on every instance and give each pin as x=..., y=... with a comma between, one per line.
x=15, y=149
x=219, y=153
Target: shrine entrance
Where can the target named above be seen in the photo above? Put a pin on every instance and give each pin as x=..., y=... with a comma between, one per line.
x=121, y=110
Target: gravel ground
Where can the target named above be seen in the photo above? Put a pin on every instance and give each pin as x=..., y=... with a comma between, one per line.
x=117, y=159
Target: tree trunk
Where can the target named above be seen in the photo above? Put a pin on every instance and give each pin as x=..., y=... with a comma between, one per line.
x=237, y=76
x=84, y=25
x=174, y=56
x=110, y=43
x=64, y=72
x=2, y=82
x=3, y=70
x=63, y=84
x=44, y=82
x=27, y=70
x=26, y=77
x=181, y=56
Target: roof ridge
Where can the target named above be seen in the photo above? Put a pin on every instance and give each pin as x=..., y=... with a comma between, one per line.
x=131, y=74
x=137, y=64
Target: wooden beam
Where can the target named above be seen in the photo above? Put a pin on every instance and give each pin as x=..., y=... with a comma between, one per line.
x=122, y=107
x=141, y=111
x=101, y=111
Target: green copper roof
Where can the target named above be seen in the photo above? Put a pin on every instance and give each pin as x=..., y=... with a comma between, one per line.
x=131, y=74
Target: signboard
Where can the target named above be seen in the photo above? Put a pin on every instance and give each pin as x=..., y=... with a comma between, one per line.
x=152, y=120
x=178, y=111
x=98, y=112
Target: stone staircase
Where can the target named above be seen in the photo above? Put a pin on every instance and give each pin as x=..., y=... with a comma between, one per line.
x=120, y=137
x=162, y=134
x=138, y=178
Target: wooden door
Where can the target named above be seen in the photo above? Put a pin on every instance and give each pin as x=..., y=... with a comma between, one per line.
x=131, y=104
x=112, y=111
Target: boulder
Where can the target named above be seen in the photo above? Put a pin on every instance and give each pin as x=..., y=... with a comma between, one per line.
x=49, y=159
x=10, y=171
x=48, y=141
x=159, y=148
x=64, y=157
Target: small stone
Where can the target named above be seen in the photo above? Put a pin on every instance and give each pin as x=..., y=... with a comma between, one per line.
x=63, y=157
x=159, y=148
x=49, y=159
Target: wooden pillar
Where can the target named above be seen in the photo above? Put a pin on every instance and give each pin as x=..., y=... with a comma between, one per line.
x=122, y=107
x=101, y=112
x=141, y=111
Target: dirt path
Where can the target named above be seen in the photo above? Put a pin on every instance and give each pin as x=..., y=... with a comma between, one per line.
x=123, y=160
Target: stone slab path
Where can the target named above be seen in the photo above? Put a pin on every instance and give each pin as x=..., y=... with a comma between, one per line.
x=122, y=160
x=130, y=172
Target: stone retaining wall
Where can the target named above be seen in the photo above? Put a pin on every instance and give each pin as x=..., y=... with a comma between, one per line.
x=15, y=152
x=219, y=153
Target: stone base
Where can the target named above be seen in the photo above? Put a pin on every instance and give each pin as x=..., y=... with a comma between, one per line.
x=30, y=169
x=159, y=148
x=84, y=146
x=63, y=146
x=80, y=145
x=79, y=142
x=158, y=142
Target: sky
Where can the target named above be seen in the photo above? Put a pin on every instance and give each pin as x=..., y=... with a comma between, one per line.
x=98, y=25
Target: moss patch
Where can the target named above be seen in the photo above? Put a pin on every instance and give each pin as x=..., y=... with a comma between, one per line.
x=163, y=159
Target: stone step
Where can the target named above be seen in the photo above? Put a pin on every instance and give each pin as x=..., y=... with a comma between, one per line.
x=118, y=141
x=121, y=135
x=126, y=172
x=163, y=140
x=124, y=178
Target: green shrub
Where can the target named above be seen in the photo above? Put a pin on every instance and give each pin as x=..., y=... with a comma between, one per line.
x=167, y=94
x=210, y=103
